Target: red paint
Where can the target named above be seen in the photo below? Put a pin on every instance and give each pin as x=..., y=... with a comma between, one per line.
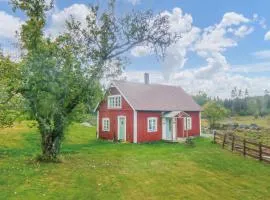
x=112, y=114
x=195, y=126
x=143, y=134
x=195, y=129
x=180, y=127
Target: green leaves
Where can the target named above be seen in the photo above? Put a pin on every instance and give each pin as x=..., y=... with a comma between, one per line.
x=213, y=112
x=59, y=78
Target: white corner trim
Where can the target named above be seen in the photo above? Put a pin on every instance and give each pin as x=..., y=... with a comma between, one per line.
x=163, y=128
x=135, y=129
x=97, y=124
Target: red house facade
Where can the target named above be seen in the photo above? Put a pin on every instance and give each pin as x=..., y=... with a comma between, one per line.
x=137, y=112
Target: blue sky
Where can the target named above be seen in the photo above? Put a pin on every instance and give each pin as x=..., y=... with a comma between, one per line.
x=225, y=43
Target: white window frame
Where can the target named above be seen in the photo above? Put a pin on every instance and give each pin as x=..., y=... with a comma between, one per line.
x=115, y=104
x=187, y=123
x=148, y=123
x=104, y=128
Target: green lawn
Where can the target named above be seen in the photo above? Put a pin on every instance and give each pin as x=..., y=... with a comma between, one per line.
x=94, y=169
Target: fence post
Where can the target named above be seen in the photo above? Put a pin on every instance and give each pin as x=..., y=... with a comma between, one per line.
x=244, y=147
x=214, y=132
x=232, y=142
x=224, y=140
x=260, y=151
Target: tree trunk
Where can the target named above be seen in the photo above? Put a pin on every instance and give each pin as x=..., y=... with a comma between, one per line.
x=50, y=144
x=51, y=136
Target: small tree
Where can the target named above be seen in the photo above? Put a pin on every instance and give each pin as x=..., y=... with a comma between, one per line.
x=10, y=102
x=214, y=112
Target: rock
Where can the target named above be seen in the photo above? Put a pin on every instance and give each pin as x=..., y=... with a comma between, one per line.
x=243, y=126
x=86, y=124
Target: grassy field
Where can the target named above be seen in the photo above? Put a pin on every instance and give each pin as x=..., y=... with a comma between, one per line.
x=262, y=135
x=94, y=169
x=247, y=120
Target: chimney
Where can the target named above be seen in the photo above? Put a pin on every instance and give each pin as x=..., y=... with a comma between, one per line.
x=146, y=78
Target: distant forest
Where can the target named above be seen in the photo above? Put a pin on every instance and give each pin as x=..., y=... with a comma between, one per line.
x=240, y=103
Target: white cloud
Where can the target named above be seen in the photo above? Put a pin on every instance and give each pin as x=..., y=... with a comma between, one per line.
x=140, y=51
x=217, y=77
x=217, y=39
x=214, y=39
x=209, y=43
x=216, y=63
x=261, y=20
x=243, y=30
x=232, y=18
x=264, y=54
x=219, y=85
x=134, y=2
x=9, y=25
x=267, y=36
x=58, y=19
x=176, y=54
x=251, y=68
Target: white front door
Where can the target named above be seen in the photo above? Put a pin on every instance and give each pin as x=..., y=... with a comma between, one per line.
x=121, y=128
x=169, y=128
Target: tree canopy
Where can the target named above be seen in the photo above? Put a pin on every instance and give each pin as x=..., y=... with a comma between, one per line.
x=57, y=75
x=213, y=112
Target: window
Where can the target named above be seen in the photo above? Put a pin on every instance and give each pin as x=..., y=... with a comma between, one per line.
x=105, y=124
x=152, y=124
x=187, y=123
x=114, y=101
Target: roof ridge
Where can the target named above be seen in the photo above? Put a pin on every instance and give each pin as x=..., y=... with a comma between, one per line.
x=141, y=83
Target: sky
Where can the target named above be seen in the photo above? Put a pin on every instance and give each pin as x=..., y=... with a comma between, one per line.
x=224, y=44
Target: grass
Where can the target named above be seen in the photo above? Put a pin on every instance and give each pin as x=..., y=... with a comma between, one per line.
x=94, y=169
x=247, y=120
x=262, y=135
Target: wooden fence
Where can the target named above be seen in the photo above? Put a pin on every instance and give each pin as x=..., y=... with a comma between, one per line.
x=246, y=147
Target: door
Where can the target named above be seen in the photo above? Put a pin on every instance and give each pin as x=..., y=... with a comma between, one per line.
x=168, y=128
x=180, y=127
x=121, y=128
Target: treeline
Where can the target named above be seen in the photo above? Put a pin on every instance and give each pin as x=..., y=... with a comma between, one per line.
x=240, y=103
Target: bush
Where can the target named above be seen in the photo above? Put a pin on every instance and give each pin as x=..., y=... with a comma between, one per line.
x=189, y=142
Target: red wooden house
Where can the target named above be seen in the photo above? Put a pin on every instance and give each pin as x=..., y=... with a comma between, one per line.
x=143, y=112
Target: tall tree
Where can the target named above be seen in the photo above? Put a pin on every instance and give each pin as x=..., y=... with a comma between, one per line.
x=60, y=74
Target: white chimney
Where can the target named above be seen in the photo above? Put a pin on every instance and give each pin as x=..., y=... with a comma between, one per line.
x=146, y=78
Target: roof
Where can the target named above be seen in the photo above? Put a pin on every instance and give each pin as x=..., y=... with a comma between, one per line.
x=177, y=114
x=156, y=97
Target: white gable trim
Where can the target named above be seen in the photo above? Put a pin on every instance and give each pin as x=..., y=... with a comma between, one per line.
x=113, y=84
